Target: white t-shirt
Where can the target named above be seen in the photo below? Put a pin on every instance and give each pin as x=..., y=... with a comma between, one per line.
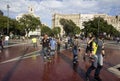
x=6, y=38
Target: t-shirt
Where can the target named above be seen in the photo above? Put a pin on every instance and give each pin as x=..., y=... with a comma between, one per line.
x=99, y=46
x=52, y=44
x=6, y=38
x=75, y=43
x=45, y=42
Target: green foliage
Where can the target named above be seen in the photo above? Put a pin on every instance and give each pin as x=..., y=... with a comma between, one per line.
x=13, y=25
x=29, y=23
x=77, y=30
x=56, y=31
x=99, y=26
x=69, y=27
x=3, y=22
x=46, y=30
x=26, y=23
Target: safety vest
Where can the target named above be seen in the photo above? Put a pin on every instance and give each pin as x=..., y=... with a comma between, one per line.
x=34, y=40
x=95, y=46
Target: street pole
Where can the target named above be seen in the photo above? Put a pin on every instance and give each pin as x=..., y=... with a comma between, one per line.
x=98, y=26
x=8, y=19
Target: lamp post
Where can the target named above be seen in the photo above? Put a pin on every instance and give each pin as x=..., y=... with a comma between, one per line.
x=98, y=26
x=8, y=19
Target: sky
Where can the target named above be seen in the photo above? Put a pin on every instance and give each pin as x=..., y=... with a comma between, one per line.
x=45, y=8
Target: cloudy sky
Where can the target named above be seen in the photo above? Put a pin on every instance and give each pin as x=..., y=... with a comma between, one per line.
x=45, y=8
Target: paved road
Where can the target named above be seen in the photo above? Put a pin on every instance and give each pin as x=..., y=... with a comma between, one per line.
x=22, y=62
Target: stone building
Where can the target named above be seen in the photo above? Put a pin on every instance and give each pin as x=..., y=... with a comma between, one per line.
x=56, y=18
x=78, y=19
x=113, y=20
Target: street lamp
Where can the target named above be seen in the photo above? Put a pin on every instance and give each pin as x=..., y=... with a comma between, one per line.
x=98, y=25
x=8, y=19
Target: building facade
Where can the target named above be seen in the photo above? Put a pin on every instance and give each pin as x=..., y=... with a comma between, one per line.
x=113, y=20
x=56, y=18
x=85, y=18
x=78, y=19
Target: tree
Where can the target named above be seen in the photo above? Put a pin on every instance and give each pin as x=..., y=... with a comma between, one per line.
x=14, y=26
x=56, y=31
x=3, y=24
x=29, y=23
x=77, y=30
x=98, y=26
x=69, y=27
x=46, y=30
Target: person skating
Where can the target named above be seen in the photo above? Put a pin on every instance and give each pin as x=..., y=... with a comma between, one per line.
x=97, y=54
x=46, y=47
x=75, y=49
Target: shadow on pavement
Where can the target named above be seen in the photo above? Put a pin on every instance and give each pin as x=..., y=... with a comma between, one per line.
x=12, y=70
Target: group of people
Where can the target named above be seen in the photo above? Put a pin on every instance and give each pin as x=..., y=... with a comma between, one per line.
x=94, y=52
x=49, y=45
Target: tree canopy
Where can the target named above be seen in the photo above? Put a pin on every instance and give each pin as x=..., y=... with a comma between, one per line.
x=3, y=23
x=69, y=27
x=45, y=30
x=56, y=31
x=29, y=23
x=99, y=26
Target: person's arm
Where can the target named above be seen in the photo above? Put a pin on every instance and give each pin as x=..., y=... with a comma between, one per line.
x=90, y=40
x=103, y=50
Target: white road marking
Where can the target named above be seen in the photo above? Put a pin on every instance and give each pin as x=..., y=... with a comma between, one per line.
x=20, y=57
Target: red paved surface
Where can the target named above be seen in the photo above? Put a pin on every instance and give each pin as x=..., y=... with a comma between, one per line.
x=59, y=69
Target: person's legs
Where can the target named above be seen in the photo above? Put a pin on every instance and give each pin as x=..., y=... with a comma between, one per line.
x=94, y=58
x=97, y=72
x=92, y=67
x=58, y=48
x=98, y=69
x=89, y=70
x=45, y=52
x=75, y=55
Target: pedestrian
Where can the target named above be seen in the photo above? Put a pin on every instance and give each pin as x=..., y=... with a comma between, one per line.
x=46, y=47
x=66, y=43
x=52, y=46
x=6, y=40
x=97, y=54
x=75, y=49
x=88, y=51
x=1, y=44
x=118, y=39
x=58, y=45
x=34, y=42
